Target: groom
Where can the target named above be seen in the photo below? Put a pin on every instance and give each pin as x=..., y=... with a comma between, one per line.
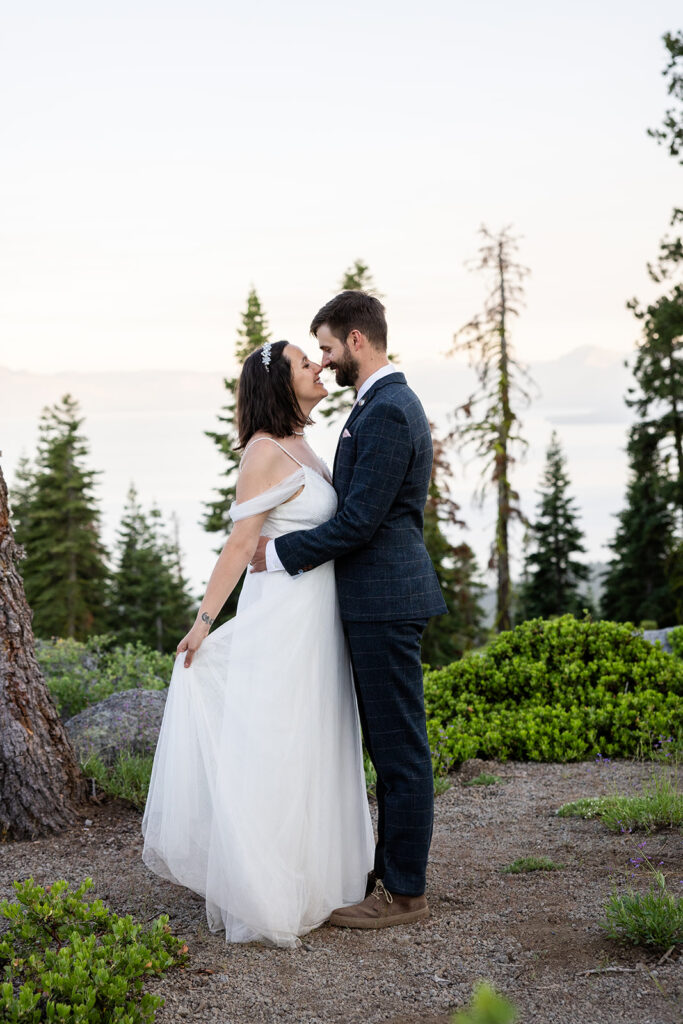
x=387, y=592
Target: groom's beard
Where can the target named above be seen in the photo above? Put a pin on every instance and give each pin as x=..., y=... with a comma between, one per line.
x=346, y=370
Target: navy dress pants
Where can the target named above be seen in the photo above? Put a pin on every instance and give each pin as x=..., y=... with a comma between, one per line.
x=388, y=677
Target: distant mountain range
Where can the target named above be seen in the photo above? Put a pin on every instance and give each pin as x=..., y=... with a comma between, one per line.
x=586, y=385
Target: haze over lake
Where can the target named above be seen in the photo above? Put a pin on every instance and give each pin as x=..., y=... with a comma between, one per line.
x=147, y=427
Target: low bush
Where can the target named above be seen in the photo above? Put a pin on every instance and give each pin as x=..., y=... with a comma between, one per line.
x=79, y=674
x=66, y=959
x=487, y=1007
x=556, y=690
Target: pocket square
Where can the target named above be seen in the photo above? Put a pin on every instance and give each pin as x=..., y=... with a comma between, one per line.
x=346, y=433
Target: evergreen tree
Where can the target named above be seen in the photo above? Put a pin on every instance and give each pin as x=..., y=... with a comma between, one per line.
x=252, y=334
x=447, y=637
x=637, y=583
x=552, y=573
x=487, y=423
x=65, y=572
x=657, y=368
x=150, y=600
x=359, y=279
x=670, y=135
x=23, y=490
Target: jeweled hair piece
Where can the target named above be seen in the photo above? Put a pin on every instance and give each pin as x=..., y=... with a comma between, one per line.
x=265, y=355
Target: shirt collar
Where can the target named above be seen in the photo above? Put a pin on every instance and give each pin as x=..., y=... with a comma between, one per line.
x=383, y=371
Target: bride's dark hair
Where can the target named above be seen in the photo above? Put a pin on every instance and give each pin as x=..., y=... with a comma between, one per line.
x=265, y=396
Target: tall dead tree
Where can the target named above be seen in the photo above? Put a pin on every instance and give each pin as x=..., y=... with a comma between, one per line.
x=41, y=785
x=487, y=422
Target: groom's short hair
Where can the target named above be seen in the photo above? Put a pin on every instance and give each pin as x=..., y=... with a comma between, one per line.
x=353, y=311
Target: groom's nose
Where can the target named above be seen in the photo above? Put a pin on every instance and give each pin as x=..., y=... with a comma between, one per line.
x=325, y=361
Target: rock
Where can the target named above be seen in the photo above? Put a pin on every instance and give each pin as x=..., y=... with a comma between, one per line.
x=128, y=720
x=472, y=768
x=653, y=635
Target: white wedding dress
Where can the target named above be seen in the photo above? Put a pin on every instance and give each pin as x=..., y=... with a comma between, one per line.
x=257, y=796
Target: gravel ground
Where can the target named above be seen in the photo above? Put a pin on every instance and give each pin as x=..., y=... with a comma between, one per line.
x=534, y=936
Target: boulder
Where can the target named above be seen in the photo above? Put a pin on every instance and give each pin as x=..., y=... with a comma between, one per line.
x=653, y=635
x=129, y=720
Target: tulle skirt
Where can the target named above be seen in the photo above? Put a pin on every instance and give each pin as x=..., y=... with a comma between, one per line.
x=257, y=796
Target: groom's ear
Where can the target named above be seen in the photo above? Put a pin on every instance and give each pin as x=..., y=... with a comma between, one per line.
x=355, y=339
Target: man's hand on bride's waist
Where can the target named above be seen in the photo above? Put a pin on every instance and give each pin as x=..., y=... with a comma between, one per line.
x=258, y=561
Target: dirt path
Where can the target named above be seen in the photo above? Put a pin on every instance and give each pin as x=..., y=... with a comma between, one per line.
x=533, y=935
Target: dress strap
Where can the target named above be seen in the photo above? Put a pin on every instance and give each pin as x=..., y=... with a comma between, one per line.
x=280, y=446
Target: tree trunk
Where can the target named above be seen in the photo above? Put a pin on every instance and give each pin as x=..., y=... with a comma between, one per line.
x=502, y=465
x=41, y=785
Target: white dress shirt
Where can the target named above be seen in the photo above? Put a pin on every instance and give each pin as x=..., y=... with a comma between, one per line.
x=273, y=563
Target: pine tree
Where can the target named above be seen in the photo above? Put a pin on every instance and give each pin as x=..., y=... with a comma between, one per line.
x=149, y=597
x=552, y=573
x=645, y=579
x=250, y=336
x=359, y=279
x=637, y=584
x=23, y=491
x=65, y=571
x=657, y=369
x=670, y=135
x=487, y=423
x=447, y=637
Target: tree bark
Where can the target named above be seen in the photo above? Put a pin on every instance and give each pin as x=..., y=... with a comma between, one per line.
x=41, y=785
x=502, y=464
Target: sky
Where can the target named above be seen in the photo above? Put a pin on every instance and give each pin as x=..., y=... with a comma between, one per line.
x=159, y=159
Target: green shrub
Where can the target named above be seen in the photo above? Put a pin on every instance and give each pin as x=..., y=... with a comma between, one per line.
x=66, y=959
x=675, y=638
x=653, y=918
x=555, y=690
x=80, y=674
x=487, y=1007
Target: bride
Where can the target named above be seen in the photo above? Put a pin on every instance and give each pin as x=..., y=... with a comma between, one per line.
x=257, y=796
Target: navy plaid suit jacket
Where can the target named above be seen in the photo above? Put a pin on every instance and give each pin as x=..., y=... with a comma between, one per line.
x=382, y=470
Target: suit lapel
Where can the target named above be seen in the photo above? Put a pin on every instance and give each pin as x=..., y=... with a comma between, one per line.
x=359, y=407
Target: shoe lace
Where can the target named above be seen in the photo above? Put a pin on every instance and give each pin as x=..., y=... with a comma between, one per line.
x=380, y=891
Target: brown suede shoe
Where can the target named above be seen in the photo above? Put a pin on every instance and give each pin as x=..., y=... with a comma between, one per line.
x=381, y=909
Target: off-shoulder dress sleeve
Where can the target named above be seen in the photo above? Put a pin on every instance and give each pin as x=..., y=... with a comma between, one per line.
x=269, y=499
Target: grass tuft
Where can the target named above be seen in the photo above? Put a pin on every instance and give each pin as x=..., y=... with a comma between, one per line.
x=653, y=918
x=127, y=778
x=484, y=779
x=660, y=805
x=523, y=864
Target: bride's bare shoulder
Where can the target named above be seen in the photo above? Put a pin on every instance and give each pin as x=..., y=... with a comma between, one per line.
x=263, y=465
